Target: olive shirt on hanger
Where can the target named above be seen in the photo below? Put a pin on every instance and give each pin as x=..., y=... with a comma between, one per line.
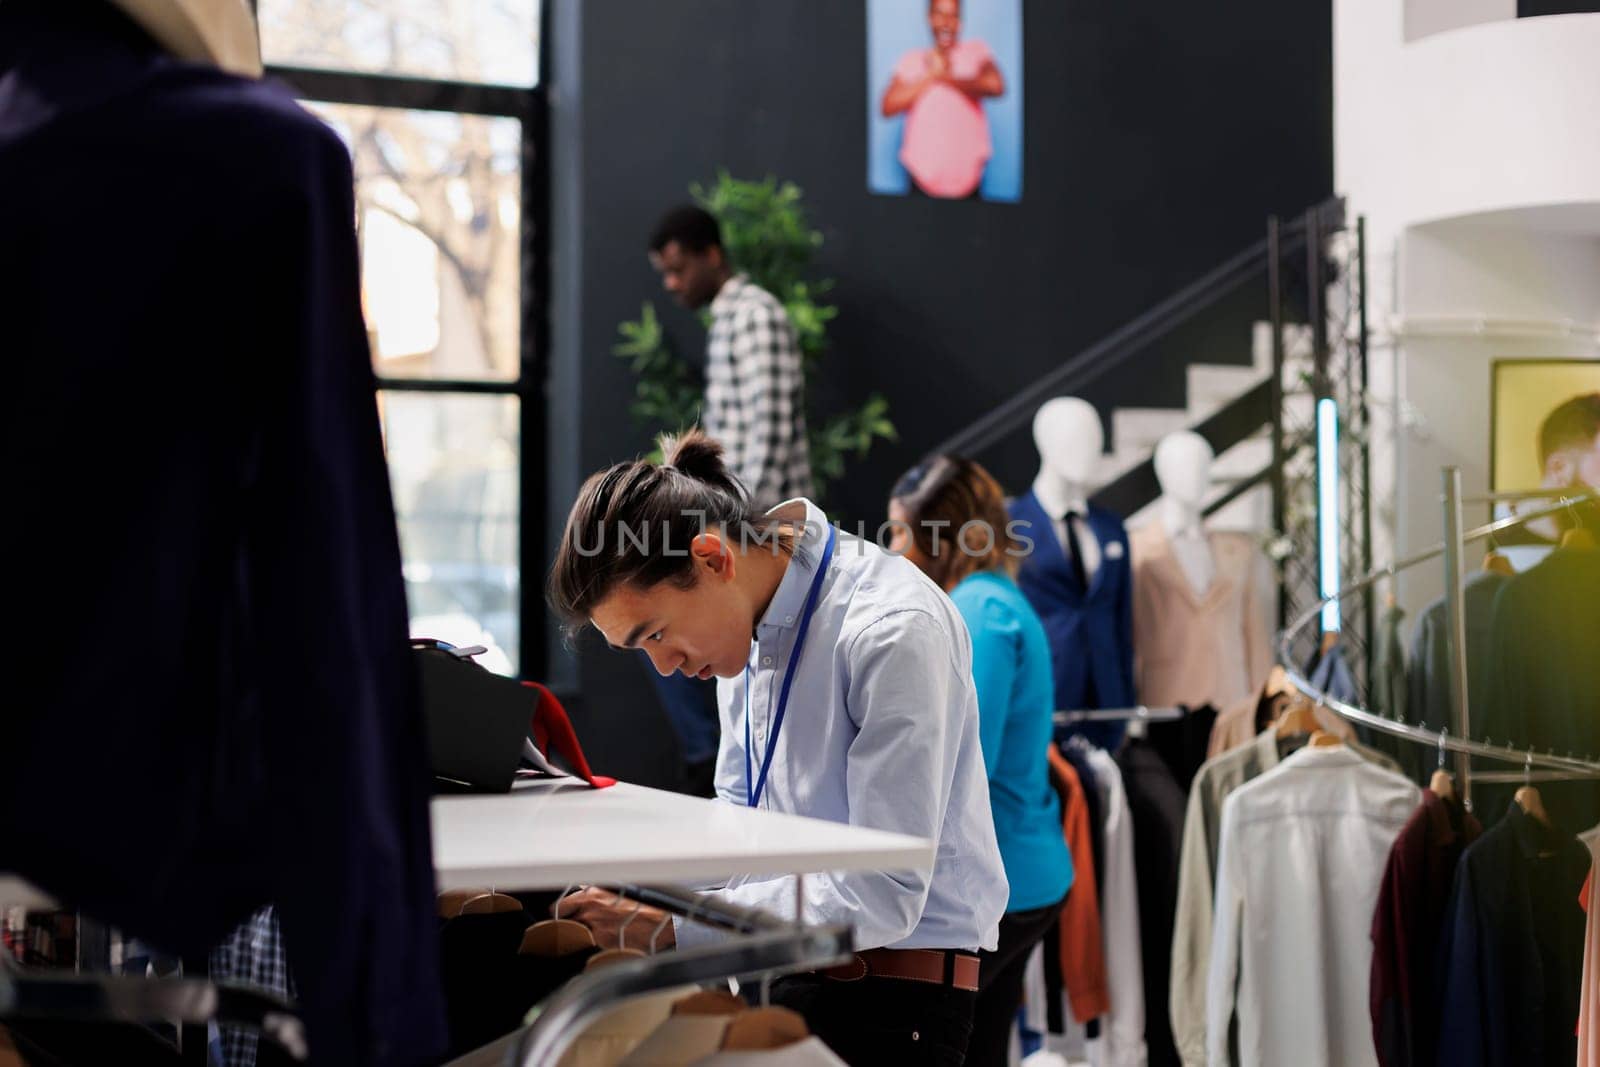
x=1428, y=675
x=1546, y=673
x=1513, y=948
x=1210, y=647
x=1197, y=866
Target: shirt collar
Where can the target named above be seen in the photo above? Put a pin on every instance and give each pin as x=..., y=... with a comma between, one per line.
x=790, y=599
x=1266, y=743
x=728, y=293
x=1534, y=838
x=1443, y=816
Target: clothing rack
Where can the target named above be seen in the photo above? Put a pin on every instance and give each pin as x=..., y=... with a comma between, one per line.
x=1458, y=740
x=766, y=945
x=130, y=999
x=1138, y=714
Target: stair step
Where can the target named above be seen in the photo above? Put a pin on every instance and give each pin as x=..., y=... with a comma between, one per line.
x=1143, y=428
x=1211, y=386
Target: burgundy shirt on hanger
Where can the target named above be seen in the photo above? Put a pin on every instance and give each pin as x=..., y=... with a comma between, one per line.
x=1405, y=930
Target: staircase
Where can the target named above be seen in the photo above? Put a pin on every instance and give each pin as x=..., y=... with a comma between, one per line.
x=1231, y=406
x=1135, y=432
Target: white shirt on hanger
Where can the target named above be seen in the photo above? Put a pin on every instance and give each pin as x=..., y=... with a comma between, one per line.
x=1589, y=1009
x=1121, y=1040
x=1302, y=854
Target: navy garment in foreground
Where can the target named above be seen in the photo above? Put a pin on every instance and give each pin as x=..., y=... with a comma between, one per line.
x=1090, y=630
x=1512, y=950
x=211, y=705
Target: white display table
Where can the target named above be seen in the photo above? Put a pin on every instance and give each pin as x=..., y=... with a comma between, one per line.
x=552, y=834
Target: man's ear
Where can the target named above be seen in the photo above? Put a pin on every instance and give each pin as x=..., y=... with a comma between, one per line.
x=712, y=554
x=1559, y=469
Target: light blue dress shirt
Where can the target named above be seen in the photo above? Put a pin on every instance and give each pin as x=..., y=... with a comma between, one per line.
x=881, y=732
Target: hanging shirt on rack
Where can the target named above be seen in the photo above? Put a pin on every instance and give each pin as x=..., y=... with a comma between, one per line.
x=1547, y=675
x=1589, y=1010
x=1291, y=955
x=1428, y=675
x=1156, y=805
x=1088, y=620
x=1082, y=945
x=1122, y=1034
x=1406, y=926
x=1197, y=866
x=1513, y=948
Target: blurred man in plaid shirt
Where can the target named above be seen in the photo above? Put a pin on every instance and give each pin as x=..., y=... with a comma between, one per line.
x=754, y=384
x=754, y=400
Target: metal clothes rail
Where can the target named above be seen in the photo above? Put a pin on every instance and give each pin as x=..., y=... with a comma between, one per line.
x=1458, y=740
x=766, y=945
x=1138, y=714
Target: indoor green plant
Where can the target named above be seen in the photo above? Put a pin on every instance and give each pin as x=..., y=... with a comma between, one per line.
x=767, y=236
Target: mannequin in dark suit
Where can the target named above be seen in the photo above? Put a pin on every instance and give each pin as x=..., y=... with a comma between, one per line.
x=1077, y=574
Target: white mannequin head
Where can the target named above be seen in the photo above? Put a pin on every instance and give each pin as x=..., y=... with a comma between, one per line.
x=1070, y=439
x=1183, y=467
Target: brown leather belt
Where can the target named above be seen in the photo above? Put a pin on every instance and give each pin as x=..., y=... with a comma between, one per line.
x=955, y=969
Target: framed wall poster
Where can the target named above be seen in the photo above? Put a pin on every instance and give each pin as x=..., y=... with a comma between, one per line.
x=944, y=99
x=1536, y=430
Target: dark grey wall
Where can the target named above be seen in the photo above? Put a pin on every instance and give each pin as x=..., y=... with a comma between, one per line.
x=1158, y=136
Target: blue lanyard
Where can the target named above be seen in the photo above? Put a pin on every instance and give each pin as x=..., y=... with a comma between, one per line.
x=753, y=793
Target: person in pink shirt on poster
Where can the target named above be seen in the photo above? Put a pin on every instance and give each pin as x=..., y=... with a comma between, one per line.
x=945, y=145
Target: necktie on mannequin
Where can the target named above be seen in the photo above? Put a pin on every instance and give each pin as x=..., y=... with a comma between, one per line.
x=1075, y=549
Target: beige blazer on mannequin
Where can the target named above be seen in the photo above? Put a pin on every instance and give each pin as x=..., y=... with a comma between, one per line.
x=1194, y=648
x=218, y=32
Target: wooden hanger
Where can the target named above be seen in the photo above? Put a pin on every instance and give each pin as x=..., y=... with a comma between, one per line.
x=490, y=904
x=1496, y=563
x=450, y=901
x=1277, y=682
x=1324, y=739
x=553, y=938
x=709, y=1002
x=1527, y=797
x=764, y=1028
x=1577, y=537
x=622, y=953
x=1298, y=718
x=1532, y=804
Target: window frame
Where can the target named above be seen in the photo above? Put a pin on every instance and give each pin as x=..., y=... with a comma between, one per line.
x=529, y=106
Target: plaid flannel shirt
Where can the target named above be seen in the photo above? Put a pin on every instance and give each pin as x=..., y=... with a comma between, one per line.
x=253, y=956
x=755, y=392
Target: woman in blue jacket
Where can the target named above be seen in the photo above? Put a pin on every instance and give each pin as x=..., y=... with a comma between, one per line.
x=950, y=519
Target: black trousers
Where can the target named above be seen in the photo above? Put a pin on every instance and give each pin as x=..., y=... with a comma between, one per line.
x=883, y=1022
x=1000, y=983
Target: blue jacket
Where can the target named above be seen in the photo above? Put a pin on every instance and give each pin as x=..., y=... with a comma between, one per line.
x=1011, y=670
x=1090, y=631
